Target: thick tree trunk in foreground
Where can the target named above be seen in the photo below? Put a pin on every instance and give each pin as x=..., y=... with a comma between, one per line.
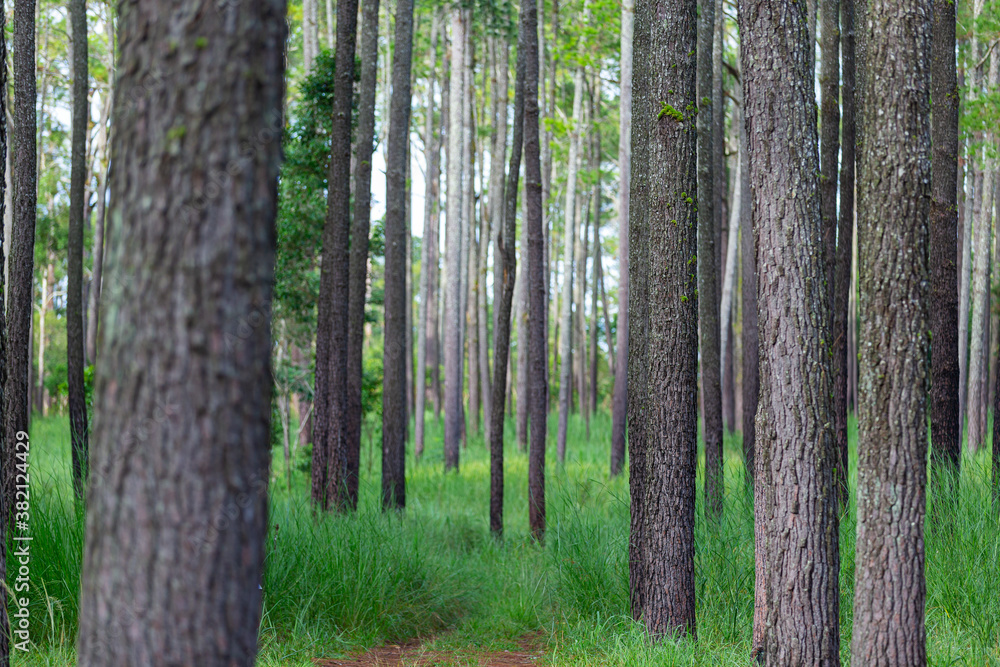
x=329, y=464
x=796, y=607
x=663, y=359
x=359, y=242
x=6, y=446
x=620, y=399
x=708, y=304
x=395, y=358
x=74, y=296
x=536, y=276
x=506, y=259
x=843, y=278
x=182, y=434
x=453, y=240
x=894, y=192
x=946, y=433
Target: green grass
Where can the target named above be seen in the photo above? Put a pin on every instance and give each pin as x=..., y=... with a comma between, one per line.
x=350, y=582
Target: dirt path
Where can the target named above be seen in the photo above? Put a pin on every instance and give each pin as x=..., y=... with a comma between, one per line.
x=418, y=655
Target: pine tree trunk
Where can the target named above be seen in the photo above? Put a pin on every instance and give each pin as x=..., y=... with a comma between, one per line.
x=6, y=197
x=843, y=270
x=663, y=354
x=536, y=277
x=893, y=229
x=359, y=242
x=453, y=241
x=74, y=297
x=329, y=456
x=945, y=421
x=596, y=201
x=190, y=274
x=506, y=260
x=796, y=608
x=428, y=261
x=708, y=305
x=620, y=400
x=522, y=315
x=750, y=336
x=394, y=354
x=980, y=309
x=569, y=252
x=97, y=265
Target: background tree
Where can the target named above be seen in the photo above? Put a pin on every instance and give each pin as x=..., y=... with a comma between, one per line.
x=663, y=355
x=173, y=289
x=74, y=297
x=892, y=243
x=329, y=464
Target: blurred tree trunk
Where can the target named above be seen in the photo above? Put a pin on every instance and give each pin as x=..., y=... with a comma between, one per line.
x=708, y=305
x=796, y=607
x=595, y=287
x=536, y=276
x=453, y=241
x=663, y=425
x=620, y=401
x=74, y=297
x=506, y=262
x=893, y=237
x=842, y=334
x=429, y=246
x=330, y=416
x=521, y=318
x=394, y=354
x=359, y=242
x=183, y=273
x=569, y=251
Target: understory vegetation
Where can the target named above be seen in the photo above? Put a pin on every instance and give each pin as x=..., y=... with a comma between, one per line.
x=339, y=584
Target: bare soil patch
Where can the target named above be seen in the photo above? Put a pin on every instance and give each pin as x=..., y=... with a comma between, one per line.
x=416, y=654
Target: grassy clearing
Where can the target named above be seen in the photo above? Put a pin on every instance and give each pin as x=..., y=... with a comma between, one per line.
x=346, y=583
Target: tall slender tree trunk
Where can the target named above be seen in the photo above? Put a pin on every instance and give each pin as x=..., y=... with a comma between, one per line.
x=842, y=334
x=620, y=399
x=453, y=240
x=980, y=308
x=429, y=247
x=946, y=446
x=750, y=335
x=359, y=242
x=329, y=457
x=595, y=288
x=6, y=446
x=310, y=33
x=394, y=354
x=663, y=355
x=569, y=252
x=727, y=403
x=522, y=318
x=796, y=607
x=708, y=305
x=506, y=259
x=191, y=329
x=74, y=297
x=104, y=174
x=894, y=36
x=727, y=308
x=536, y=276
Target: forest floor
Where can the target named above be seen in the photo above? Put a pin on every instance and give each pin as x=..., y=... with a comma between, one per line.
x=431, y=587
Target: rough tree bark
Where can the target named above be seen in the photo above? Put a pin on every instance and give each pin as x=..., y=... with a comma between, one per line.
x=708, y=304
x=796, y=607
x=74, y=296
x=6, y=447
x=453, y=240
x=506, y=259
x=428, y=264
x=620, y=400
x=536, y=276
x=182, y=432
x=395, y=359
x=663, y=359
x=329, y=464
x=946, y=433
x=894, y=193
